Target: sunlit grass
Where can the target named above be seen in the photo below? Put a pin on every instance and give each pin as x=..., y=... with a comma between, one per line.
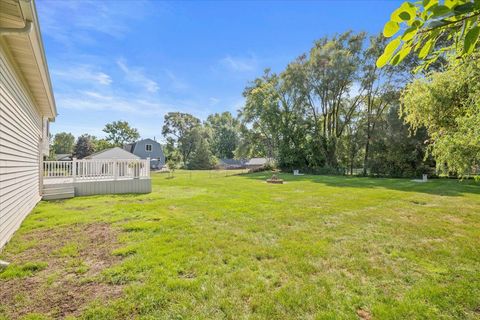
x=215, y=245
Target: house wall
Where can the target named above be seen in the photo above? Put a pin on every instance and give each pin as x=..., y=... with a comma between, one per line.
x=21, y=145
x=154, y=155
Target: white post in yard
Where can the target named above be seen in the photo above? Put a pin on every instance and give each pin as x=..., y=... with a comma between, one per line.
x=115, y=170
x=74, y=169
x=148, y=167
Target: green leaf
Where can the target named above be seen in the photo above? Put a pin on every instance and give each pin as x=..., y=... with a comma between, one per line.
x=382, y=60
x=439, y=10
x=471, y=40
x=427, y=4
x=409, y=34
x=451, y=3
x=464, y=8
x=390, y=29
x=405, y=13
x=401, y=55
x=426, y=48
x=388, y=53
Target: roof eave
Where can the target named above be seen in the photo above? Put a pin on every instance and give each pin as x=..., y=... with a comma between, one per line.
x=30, y=13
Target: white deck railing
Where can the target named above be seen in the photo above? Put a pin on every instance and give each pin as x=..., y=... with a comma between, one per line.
x=79, y=170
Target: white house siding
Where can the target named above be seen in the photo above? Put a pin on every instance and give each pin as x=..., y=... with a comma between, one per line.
x=20, y=143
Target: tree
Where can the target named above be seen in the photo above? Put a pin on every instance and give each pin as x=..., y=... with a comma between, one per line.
x=63, y=143
x=201, y=158
x=120, y=133
x=396, y=151
x=274, y=110
x=380, y=91
x=447, y=104
x=224, y=134
x=420, y=25
x=333, y=68
x=173, y=161
x=84, y=146
x=101, y=144
x=178, y=129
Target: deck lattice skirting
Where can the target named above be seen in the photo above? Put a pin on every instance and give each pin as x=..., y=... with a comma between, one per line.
x=66, y=179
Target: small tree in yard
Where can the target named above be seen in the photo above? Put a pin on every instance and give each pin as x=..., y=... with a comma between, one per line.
x=173, y=161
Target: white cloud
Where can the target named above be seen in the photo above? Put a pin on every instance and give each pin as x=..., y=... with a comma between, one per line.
x=239, y=64
x=85, y=17
x=84, y=73
x=213, y=101
x=122, y=102
x=136, y=75
x=96, y=101
x=175, y=82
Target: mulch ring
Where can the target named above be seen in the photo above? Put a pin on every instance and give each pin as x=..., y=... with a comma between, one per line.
x=75, y=256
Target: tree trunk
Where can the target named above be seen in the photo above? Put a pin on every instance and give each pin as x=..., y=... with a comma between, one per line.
x=367, y=148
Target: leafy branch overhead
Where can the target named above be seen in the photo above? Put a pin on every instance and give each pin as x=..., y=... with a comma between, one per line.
x=418, y=26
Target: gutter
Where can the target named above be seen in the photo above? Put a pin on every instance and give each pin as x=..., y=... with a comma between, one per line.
x=31, y=30
x=16, y=31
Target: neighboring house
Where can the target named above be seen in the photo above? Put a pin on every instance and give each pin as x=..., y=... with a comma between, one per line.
x=232, y=163
x=148, y=148
x=257, y=163
x=26, y=107
x=112, y=153
x=63, y=157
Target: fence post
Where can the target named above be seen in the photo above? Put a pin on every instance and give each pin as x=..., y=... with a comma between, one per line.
x=115, y=170
x=148, y=167
x=74, y=169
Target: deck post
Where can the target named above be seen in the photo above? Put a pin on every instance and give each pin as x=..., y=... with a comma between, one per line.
x=115, y=170
x=148, y=167
x=74, y=169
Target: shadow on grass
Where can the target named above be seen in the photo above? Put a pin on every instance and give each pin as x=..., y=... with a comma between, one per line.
x=441, y=187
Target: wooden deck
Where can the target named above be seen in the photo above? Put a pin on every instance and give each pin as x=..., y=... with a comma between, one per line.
x=66, y=179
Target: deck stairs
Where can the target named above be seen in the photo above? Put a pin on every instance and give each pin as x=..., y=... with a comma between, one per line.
x=58, y=191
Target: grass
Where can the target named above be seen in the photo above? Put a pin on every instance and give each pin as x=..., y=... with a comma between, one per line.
x=204, y=245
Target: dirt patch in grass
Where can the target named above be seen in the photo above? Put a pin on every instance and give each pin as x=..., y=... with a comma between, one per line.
x=364, y=314
x=75, y=257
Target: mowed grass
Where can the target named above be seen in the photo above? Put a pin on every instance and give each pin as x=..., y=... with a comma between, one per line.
x=205, y=245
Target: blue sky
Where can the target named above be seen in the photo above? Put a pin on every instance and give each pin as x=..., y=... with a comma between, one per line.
x=137, y=60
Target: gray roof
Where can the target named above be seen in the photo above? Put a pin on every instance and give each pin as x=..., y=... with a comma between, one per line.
x=63, y=156
x=129, y=147
x=232, y=162
x=113, y=153
x=257, y=161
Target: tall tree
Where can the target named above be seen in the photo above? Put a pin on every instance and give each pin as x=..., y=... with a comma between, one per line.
x=201, y=158
x=447, y=104
x=101, y=144
x=396, y=151
x=333, y=68
x=178, y=129
x=225, y=134
x=63, y=143
x=380, y=88
x=120, y=133
x=274, y=111
x=84, y=146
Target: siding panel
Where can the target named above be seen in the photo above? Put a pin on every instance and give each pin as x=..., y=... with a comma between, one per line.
x=20, y=134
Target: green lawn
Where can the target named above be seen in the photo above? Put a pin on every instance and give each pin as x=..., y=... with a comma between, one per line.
x=204, y=245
